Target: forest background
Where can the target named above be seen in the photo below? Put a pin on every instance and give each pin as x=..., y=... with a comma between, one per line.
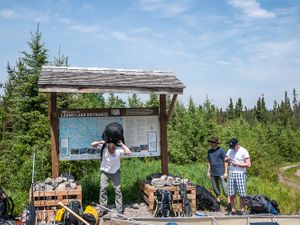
x=272, y=136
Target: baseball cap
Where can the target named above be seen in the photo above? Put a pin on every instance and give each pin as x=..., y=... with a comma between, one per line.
x=233, y=142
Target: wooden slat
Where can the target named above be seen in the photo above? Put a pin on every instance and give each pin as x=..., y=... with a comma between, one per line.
x=93, y=80
x=171, y=107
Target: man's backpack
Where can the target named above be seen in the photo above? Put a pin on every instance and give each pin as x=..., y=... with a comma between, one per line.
x=75, y=206
x=205, y=200
x=261, y=204
x=113, y=133
x=6, y=206
x=164, y=201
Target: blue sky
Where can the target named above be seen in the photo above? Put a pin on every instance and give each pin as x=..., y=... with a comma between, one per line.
x=217, y=48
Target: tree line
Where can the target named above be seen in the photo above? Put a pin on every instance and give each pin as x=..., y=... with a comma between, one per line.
x=272, y=136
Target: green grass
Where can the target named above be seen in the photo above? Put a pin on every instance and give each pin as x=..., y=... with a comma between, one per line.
x=290, y=173
x=287, y=199
x=135, y=170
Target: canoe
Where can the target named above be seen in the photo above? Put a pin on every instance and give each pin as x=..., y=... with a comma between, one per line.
x=209, y=220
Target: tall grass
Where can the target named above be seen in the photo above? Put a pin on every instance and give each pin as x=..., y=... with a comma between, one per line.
x=134, y=170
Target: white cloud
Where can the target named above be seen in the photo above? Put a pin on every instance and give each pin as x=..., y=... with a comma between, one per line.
x=24, y=14
x=163, y=7
x=83, y=29
x=71, y=25
x=9, y=14
x=252, y=9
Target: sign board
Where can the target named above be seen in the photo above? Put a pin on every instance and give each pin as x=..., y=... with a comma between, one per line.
x=79, y=128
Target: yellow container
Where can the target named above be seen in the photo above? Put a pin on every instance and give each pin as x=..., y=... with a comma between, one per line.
x=90, y=214
x=59, y=214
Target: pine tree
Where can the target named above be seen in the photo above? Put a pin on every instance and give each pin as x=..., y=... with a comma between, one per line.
x=134, y=101
x=24, y=118
x=261, y=110
x=238, y=108
x=230, y=110
x=153, y=101
x=114, y=102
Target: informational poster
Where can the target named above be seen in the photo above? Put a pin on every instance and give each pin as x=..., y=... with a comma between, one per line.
x=79, y=128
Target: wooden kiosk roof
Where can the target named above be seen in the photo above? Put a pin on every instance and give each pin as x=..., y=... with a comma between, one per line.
x=103, y=80
x=55, y=80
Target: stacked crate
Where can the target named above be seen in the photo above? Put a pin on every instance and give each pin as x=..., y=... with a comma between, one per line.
x=148, y=195
x=46, y=202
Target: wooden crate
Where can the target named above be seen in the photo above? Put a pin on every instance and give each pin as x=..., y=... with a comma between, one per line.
x=50, y=199
x=45, y=214
x=148, y=195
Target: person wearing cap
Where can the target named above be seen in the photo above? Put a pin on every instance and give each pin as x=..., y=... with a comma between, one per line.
x=239, y=160
x=217, y=169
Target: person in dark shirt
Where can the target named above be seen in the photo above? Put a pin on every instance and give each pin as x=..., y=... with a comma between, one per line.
x=217, y=169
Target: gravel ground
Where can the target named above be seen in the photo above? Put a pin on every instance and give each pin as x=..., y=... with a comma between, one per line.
x=141, y=210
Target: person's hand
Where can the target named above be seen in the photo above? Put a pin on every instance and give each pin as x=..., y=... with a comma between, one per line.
x=227, y=159
x=225, y=176
x=96, y=143
x=208, y=175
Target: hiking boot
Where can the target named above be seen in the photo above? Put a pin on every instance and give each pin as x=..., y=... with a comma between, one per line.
x=228, y=208
x=231, y=213
x=242, y=213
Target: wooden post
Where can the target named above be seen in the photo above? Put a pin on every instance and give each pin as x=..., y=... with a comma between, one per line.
x=52, y=113
x=163, y=135
x=171, y=107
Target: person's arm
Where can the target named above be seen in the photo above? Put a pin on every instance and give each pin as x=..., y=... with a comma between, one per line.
x=125, y=148
x=208, y=169
x=97, y=144
x=225, y=165
x=245, y=164
x=226, y=169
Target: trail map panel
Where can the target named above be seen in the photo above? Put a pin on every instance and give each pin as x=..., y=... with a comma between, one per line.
x=79, y=128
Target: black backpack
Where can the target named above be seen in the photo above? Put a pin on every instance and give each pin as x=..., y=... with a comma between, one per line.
x=261, y=204
x=205, y=200
x=113, y=132
x=75, y=206
x=164, y=201
x=6, y=206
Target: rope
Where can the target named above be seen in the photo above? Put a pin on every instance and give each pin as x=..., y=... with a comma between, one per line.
x=121, y=215
x=213, y=218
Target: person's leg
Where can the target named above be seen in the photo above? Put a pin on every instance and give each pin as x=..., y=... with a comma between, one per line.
x=104, y=182
x=233, y=203
x=116, y=181
x=215, y=184
x=232, y=191
x=242, y=203
x=241, y=185
x=225, y=191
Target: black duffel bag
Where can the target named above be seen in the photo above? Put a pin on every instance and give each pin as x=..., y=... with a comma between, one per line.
x=113, y=133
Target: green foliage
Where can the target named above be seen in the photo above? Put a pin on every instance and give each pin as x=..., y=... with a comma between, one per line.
x=134, y=101
x=287, y=199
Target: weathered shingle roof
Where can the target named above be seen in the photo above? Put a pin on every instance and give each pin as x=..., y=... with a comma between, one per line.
x=103, y=80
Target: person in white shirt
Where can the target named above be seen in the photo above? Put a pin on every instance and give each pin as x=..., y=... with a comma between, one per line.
x=239, y=160
x=110, y=171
